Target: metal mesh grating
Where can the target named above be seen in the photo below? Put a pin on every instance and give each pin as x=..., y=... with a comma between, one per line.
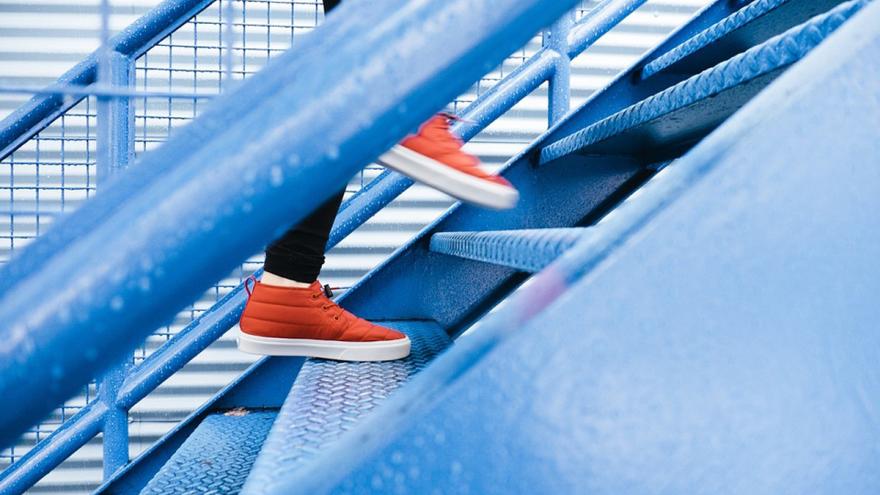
x=52, y=173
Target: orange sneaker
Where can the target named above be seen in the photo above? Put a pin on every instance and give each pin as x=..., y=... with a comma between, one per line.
x=434, y=157
x=285, y=321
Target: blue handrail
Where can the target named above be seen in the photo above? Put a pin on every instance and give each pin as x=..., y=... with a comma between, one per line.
x=550, y=63
x=186, y=210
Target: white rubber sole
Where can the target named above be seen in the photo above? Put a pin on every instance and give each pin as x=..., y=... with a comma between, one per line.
x=325, y=349
x=442, y=177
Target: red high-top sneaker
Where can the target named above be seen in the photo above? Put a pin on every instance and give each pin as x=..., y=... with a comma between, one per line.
x=284, y=321
x=434, y=157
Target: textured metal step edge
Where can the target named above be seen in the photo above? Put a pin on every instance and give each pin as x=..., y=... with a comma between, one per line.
x=775, y=53
x=528, y=250
x=711, y=34
x=331, y=397
x=217, y=456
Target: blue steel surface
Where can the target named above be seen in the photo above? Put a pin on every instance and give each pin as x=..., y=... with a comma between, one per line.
x=197, y=177
x=797, y=12
x=528, y=249
x=746, y=365
x=775, y=53
x=217, y=456
x=329, y=398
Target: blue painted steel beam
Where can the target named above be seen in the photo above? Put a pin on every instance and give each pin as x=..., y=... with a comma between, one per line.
x=688, y=110
x=189, y=223
x=529, y=250
x=140, y=36
x=762, y=338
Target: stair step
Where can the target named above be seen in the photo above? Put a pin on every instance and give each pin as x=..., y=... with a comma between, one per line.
x=217, y=456
x=528, y=250
x=331, y=397
x=687, y=111
x=753, y=24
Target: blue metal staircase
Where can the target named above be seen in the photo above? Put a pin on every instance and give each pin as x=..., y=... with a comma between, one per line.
x=659, y=346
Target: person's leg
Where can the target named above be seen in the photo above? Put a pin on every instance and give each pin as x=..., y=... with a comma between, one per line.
x=289, y=314
x=330, y=5
x=299, y=254
x=295, y=259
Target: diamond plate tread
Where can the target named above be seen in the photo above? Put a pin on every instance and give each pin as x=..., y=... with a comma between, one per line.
x=777, y=52
x=330, y=397
x=528, y=250
x=711, y=34
x=217, y=457
x=752, y=24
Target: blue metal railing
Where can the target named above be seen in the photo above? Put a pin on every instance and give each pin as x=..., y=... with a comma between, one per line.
x=121, y=389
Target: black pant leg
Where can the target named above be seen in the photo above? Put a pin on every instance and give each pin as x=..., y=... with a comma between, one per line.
x=299, y=253
x=330, y=5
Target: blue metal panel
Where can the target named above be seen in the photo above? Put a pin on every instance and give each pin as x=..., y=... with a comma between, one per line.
x=777, y=52
x=329, y=398
x=530, y=250
x=719, y=335
x=753, y=24
x=263, y=132
x=217, y=456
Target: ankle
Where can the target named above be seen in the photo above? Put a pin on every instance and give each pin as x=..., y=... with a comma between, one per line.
x=279, y=281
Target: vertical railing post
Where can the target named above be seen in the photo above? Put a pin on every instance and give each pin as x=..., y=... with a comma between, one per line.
x=556, y=38
x=115, y=122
